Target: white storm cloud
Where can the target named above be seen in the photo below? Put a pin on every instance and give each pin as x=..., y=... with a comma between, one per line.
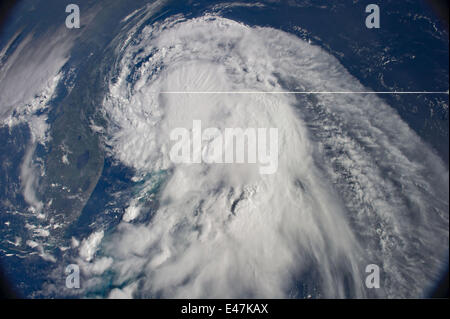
x=354, y=186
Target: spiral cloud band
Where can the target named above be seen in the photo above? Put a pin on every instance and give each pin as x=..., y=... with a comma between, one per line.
x=354, y=184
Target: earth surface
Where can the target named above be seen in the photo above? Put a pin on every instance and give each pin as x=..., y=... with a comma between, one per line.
x=86, y=180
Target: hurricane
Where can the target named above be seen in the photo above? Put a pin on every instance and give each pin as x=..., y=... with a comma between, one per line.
x=355, y=185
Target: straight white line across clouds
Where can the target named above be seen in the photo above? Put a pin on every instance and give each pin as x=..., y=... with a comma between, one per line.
x=304, y=92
